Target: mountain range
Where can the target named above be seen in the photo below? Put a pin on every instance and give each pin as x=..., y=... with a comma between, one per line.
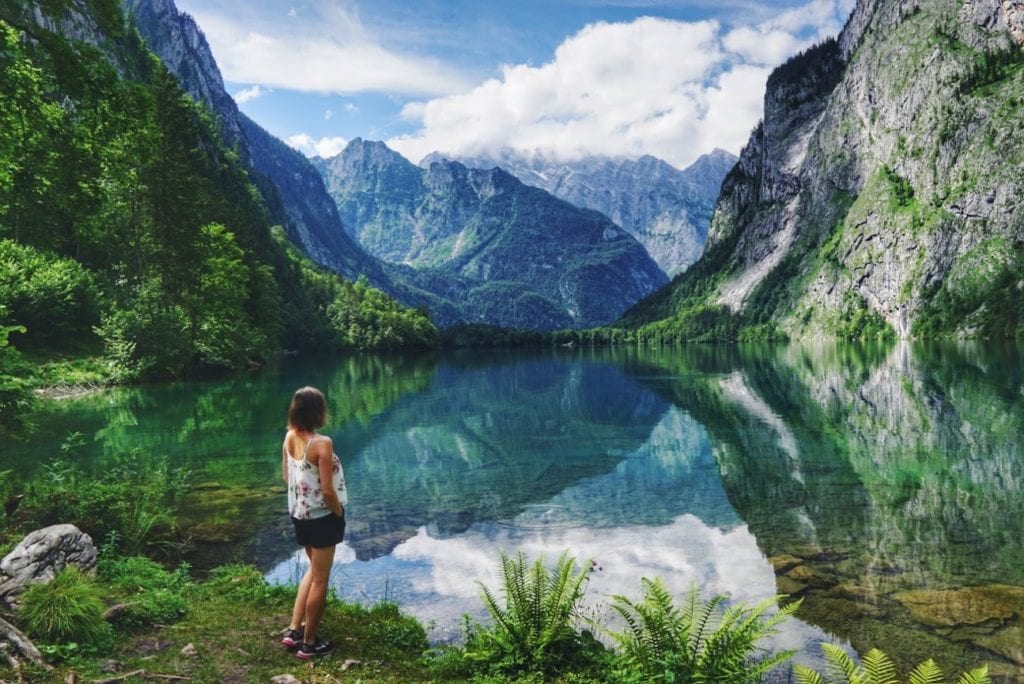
x=503, y=252
x=487, y=283
x=666, y=209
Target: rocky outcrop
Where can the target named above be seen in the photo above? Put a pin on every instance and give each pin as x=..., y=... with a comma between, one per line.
x=41, y=556
x=501, y=252
x=667, y=210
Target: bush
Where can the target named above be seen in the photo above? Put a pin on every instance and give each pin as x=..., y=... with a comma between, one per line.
x=145, y=336
x=877, y=668
x=698, y=643
x=151, y=593
x=55, y=298
x=536, y=627
x=132, y=507
x=16, y=401
x=67, y=609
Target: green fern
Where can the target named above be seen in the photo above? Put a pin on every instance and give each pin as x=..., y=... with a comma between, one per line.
x=877, y=668
x=699, y=642
x=535, y=627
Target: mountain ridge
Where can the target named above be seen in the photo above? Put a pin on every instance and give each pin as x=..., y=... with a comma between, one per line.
x=495, y=236
x=667, y=209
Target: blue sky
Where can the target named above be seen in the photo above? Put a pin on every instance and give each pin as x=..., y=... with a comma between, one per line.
x=561, y=78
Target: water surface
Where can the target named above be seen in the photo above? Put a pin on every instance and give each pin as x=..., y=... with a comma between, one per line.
x=882, y=484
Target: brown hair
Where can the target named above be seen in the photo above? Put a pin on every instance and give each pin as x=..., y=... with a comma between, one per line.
x=308, y=410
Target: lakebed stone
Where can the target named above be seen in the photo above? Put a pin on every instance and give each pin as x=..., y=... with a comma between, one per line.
x=968, y=606
x=1007, y=642
x=41, y=556
x=784, y=562
x=789, y=587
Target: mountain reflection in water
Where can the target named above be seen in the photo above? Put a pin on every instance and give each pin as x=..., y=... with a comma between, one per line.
x=880, y=483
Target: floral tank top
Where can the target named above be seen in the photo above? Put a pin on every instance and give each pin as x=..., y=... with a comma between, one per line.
x=305, y=494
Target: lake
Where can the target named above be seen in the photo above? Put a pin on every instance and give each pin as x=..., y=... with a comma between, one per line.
x=880, y=483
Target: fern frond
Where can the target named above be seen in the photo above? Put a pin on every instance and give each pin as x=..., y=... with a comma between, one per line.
x=878, y=667
x=926, y=673
x=839, y=664
x=976, y=676
x=805, y=675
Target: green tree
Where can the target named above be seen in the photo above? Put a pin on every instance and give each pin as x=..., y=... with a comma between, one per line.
x=54, y=298
x=29, y=122
x=215, y=304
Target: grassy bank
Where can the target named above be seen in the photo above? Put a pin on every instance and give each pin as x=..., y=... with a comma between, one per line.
x=233, y=622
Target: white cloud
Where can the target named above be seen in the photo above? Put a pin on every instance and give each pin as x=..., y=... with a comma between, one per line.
x=672, y=89
x=292, y=12
x=351, y=108
x=328, y=53
x=311, y=147
x=328, y=114
x=251, y=93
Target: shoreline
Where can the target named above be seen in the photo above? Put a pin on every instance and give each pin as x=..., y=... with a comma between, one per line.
x=73, y=391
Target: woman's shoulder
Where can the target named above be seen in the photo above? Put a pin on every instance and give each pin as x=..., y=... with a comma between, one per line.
x=321, y=444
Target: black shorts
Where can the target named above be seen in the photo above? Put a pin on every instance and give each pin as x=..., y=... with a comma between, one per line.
x=320, y=532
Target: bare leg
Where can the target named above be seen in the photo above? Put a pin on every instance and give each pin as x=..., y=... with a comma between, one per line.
x=320, y=564
x=299, y=611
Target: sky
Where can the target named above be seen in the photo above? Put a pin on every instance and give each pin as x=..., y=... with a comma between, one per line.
x=561, y=78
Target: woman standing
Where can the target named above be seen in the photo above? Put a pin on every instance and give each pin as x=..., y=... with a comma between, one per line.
x=316, y=500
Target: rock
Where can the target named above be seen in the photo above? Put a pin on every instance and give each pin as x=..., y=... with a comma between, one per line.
x=970, y=606
x=41, y=556
x=801, y=573
x=788, y=586
x=854, y=592
x=1007, y=642
x=784, y=562
x=110, y=666
x=190, y=651
x=351, y=662
x=286, y=679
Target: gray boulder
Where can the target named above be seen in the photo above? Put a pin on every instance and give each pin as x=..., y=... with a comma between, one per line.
x=41, y=556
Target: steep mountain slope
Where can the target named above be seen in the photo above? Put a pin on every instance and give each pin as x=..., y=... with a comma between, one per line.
x=127, y=225
x=505, y=253
x=666, y=209
x=881, y=192
x=292, y=187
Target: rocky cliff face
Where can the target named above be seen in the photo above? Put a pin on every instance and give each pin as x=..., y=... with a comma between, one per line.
x=667, y=210
x=505, y=253
x=883, y=186
x=292, y=186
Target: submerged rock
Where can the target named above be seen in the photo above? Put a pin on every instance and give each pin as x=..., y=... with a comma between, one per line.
x=784, y=562
x=1007, y=642
x=969, y=606
x=41, y=556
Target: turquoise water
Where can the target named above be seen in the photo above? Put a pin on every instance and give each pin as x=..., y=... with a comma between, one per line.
x=882, y=484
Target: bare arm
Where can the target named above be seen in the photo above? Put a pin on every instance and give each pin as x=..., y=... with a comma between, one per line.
x=324, y=451
x=284, y=462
